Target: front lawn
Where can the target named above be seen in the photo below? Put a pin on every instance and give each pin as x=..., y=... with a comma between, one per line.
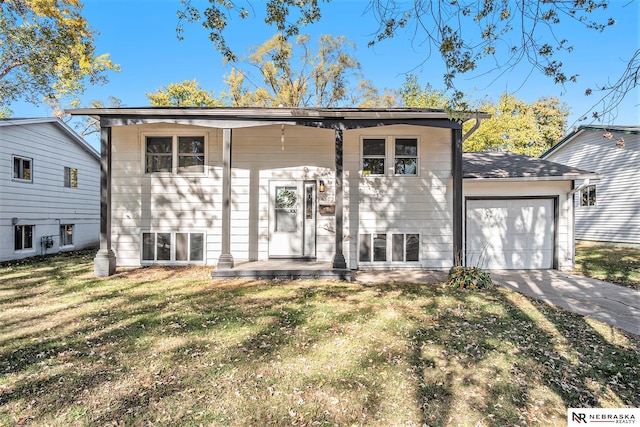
x=166, y=347
x=613, y=264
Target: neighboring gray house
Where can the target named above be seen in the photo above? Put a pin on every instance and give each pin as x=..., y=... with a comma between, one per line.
x=607, y=210
x=354, y=188
x=49, y=189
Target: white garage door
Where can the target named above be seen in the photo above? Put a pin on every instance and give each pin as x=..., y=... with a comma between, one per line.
x=510, y=233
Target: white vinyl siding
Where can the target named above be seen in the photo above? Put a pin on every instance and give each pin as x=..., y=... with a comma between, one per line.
x=419, y=203
x=45, y=202
x=144, y=201
x=616, y=214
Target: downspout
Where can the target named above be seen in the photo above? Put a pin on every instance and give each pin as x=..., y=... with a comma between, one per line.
x=571, y=237
x=473, y=128
x=458, y=195
x=581, y=187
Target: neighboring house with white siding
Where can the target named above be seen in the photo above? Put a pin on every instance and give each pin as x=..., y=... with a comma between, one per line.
x=49, y=189
x=607, y=210
x=356, y=188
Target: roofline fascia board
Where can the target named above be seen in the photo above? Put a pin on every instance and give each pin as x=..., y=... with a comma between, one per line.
x=275, y=113
x=532, y=178
x=27, y=121
x=233, y=123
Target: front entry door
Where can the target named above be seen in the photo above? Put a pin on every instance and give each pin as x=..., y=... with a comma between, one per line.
x=292, y=219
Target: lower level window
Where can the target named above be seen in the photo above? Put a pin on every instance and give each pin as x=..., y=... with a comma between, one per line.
x=169, y=246
x=66, y=234
x=23, y=237
x=394, y=247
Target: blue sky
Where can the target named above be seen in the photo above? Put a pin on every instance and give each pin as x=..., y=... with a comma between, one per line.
x=140, y=36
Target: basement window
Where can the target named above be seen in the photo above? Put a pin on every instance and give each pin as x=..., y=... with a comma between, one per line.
x=23, y=237
x=170, y=247
x=389, y=247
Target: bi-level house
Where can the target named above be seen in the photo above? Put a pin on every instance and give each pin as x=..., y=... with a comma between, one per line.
x=49, y=189
x=353, y=188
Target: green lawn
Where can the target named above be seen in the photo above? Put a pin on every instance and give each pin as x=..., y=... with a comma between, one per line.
x=614, y=264
x=167, y=347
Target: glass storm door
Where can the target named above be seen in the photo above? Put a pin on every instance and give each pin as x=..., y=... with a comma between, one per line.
x=291, y=219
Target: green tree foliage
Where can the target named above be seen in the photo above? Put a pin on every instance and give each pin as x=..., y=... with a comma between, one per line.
x=493, y=36
x=414, y=96
x=185, y=94
x=519, y=127
x=47, y=51
x=294, y=75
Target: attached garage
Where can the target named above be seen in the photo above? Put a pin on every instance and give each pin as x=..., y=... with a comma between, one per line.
x=509, y=233
x=518, y=211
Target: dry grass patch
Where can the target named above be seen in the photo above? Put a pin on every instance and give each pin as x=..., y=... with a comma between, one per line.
x=169, y=346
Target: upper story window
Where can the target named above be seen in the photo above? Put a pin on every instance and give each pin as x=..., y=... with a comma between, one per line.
x=399, y=157
x=174, y=154
x=70, y=177
x=406, y=156
x=190, y=154
x=588, y=196
x=373, y=156
x=22, y=169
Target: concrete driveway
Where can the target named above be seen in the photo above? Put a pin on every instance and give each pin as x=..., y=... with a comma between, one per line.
x=609, y=303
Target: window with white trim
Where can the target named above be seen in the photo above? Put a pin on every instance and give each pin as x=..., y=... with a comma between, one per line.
x=172, y=247
x=70, y=177
x=389, y=247
x=23, y=237
x=373, y=156
x=588, y=196
x=399, y=157
x=22, y=169
x=175, y=154
x=66, y=234
x=405, y=156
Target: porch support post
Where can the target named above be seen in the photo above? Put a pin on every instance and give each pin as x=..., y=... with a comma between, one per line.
x=456, y=145
x=104, y=264
x=338, y=258
x=226, y=259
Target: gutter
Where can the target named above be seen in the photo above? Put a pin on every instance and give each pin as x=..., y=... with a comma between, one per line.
x=475, y=126
x=581, y=187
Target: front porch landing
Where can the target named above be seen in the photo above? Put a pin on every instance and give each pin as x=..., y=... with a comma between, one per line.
x=283, y=269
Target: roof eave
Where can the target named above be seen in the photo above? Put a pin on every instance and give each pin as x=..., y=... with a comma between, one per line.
x=275, y=113
x=572, y=177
